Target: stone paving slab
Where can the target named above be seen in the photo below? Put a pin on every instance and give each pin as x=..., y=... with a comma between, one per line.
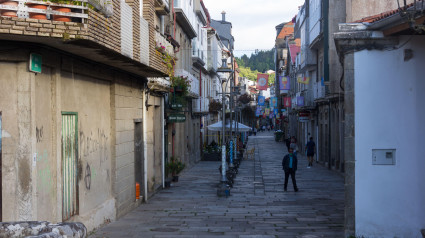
x=257, y=207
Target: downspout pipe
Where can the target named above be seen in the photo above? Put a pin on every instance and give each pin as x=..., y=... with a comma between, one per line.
x=326, y=69
x=163, y=140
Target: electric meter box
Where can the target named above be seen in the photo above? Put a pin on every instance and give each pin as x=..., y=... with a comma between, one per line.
x=383, y=156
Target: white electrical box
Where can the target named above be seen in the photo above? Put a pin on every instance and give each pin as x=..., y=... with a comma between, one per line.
x=383, y=156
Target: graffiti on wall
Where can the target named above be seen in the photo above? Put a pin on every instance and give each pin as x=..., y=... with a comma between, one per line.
x=39, y=134
x=89, y=174
x=94, y=144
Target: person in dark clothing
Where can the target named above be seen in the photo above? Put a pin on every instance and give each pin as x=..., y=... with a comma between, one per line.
x=310, y=148
x=288, y=143
x=289, y=165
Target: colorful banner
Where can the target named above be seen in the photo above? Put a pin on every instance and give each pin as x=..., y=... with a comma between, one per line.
x=273, y=102
x=303, y=80
x=261, y=100
x=300, y=101
x=271, y=116
x=262, y=81
x=287, y=101
x=285, y=83
x=258, y=111
x=322, y=81
x=267, y=111
x=276, y=111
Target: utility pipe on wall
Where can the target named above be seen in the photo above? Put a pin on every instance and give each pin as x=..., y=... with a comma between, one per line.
x=163, y=140
x=145, y=149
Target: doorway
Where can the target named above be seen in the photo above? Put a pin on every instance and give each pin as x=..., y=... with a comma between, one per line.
x=69, y=164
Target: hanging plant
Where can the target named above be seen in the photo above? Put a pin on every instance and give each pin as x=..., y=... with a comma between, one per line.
x=215, y=106
x=245, y=98
x=180, y=84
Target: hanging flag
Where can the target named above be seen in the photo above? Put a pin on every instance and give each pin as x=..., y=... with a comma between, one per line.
x=262, y=81
x=285, y=83
x=287, y=101
x=273, y=101
x=303, y=80
x=300, y=101
x=261, y=100
x=267, y=111
x=323, y=81
x=271, y=116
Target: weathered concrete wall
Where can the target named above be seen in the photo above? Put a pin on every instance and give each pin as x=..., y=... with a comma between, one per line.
x=154, y=143
x=107, y=103
x=16, y=86
x=128, y=103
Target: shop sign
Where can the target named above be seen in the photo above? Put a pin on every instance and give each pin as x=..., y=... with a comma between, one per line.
x=176, y=118
x=304, y=116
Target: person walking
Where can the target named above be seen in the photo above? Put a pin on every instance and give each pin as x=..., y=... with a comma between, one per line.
x=310, y=148
x=294, y=145
x=288, y=142
x=289, y=166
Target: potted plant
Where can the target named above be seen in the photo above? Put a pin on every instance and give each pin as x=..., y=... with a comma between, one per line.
x=180, y=84
x=174, y=167
x=9, y=13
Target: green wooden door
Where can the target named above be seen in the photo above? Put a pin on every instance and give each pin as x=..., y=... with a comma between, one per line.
x=69, y=164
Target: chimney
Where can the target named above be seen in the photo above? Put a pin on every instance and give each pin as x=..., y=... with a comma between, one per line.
x=223, y=16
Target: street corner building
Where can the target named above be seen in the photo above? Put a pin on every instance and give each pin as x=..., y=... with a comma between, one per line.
x=76, y=116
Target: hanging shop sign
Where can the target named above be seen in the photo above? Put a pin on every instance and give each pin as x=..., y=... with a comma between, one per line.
x=176, y=118
x=304, y=116
x=176, y=106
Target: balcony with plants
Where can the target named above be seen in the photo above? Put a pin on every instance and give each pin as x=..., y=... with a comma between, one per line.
x=103, y=31
x=193, y=81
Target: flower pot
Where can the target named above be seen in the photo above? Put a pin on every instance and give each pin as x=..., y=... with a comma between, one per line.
x=175, y=178
x=34, y=15
x=9, y=13
x=61, y=18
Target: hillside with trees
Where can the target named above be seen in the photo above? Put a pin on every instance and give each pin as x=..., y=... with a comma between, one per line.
x=259, y=62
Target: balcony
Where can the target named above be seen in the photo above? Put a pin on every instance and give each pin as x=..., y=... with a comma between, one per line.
x=200, y=11
x=161, y=85
x=197, y=55
x=83, y=32
x=201, y=105
x=194, y=82
x=318, y=90
x=160, y=40
x=162, y=7
x=185, y=17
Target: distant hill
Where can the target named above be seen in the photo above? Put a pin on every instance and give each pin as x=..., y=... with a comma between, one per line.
x=260, y=61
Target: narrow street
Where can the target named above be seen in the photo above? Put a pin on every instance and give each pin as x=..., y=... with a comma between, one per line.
x=257, y=207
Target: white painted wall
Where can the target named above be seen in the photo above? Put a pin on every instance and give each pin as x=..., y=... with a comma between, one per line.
x=390, y=113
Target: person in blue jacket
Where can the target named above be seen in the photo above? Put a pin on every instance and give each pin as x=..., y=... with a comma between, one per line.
x=289, y=165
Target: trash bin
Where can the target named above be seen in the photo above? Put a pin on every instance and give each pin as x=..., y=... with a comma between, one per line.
x=278, y=135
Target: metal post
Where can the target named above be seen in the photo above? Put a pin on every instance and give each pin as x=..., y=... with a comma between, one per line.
x=223, y=142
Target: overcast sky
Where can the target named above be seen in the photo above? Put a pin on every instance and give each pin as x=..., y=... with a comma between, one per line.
x=253, y=21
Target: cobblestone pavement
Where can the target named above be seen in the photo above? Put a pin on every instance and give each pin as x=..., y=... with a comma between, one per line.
x=257, y=207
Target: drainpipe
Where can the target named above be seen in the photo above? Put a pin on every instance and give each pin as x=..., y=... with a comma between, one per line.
x=200, y=108
x=145, y=149
x=163, y=140
x=326, y=68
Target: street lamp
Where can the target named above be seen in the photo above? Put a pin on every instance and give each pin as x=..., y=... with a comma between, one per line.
x=223, y=69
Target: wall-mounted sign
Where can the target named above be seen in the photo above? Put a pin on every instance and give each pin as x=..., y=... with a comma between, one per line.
x=35, y=63
x=176, y=118
x=176, y=106
x=304, y=116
